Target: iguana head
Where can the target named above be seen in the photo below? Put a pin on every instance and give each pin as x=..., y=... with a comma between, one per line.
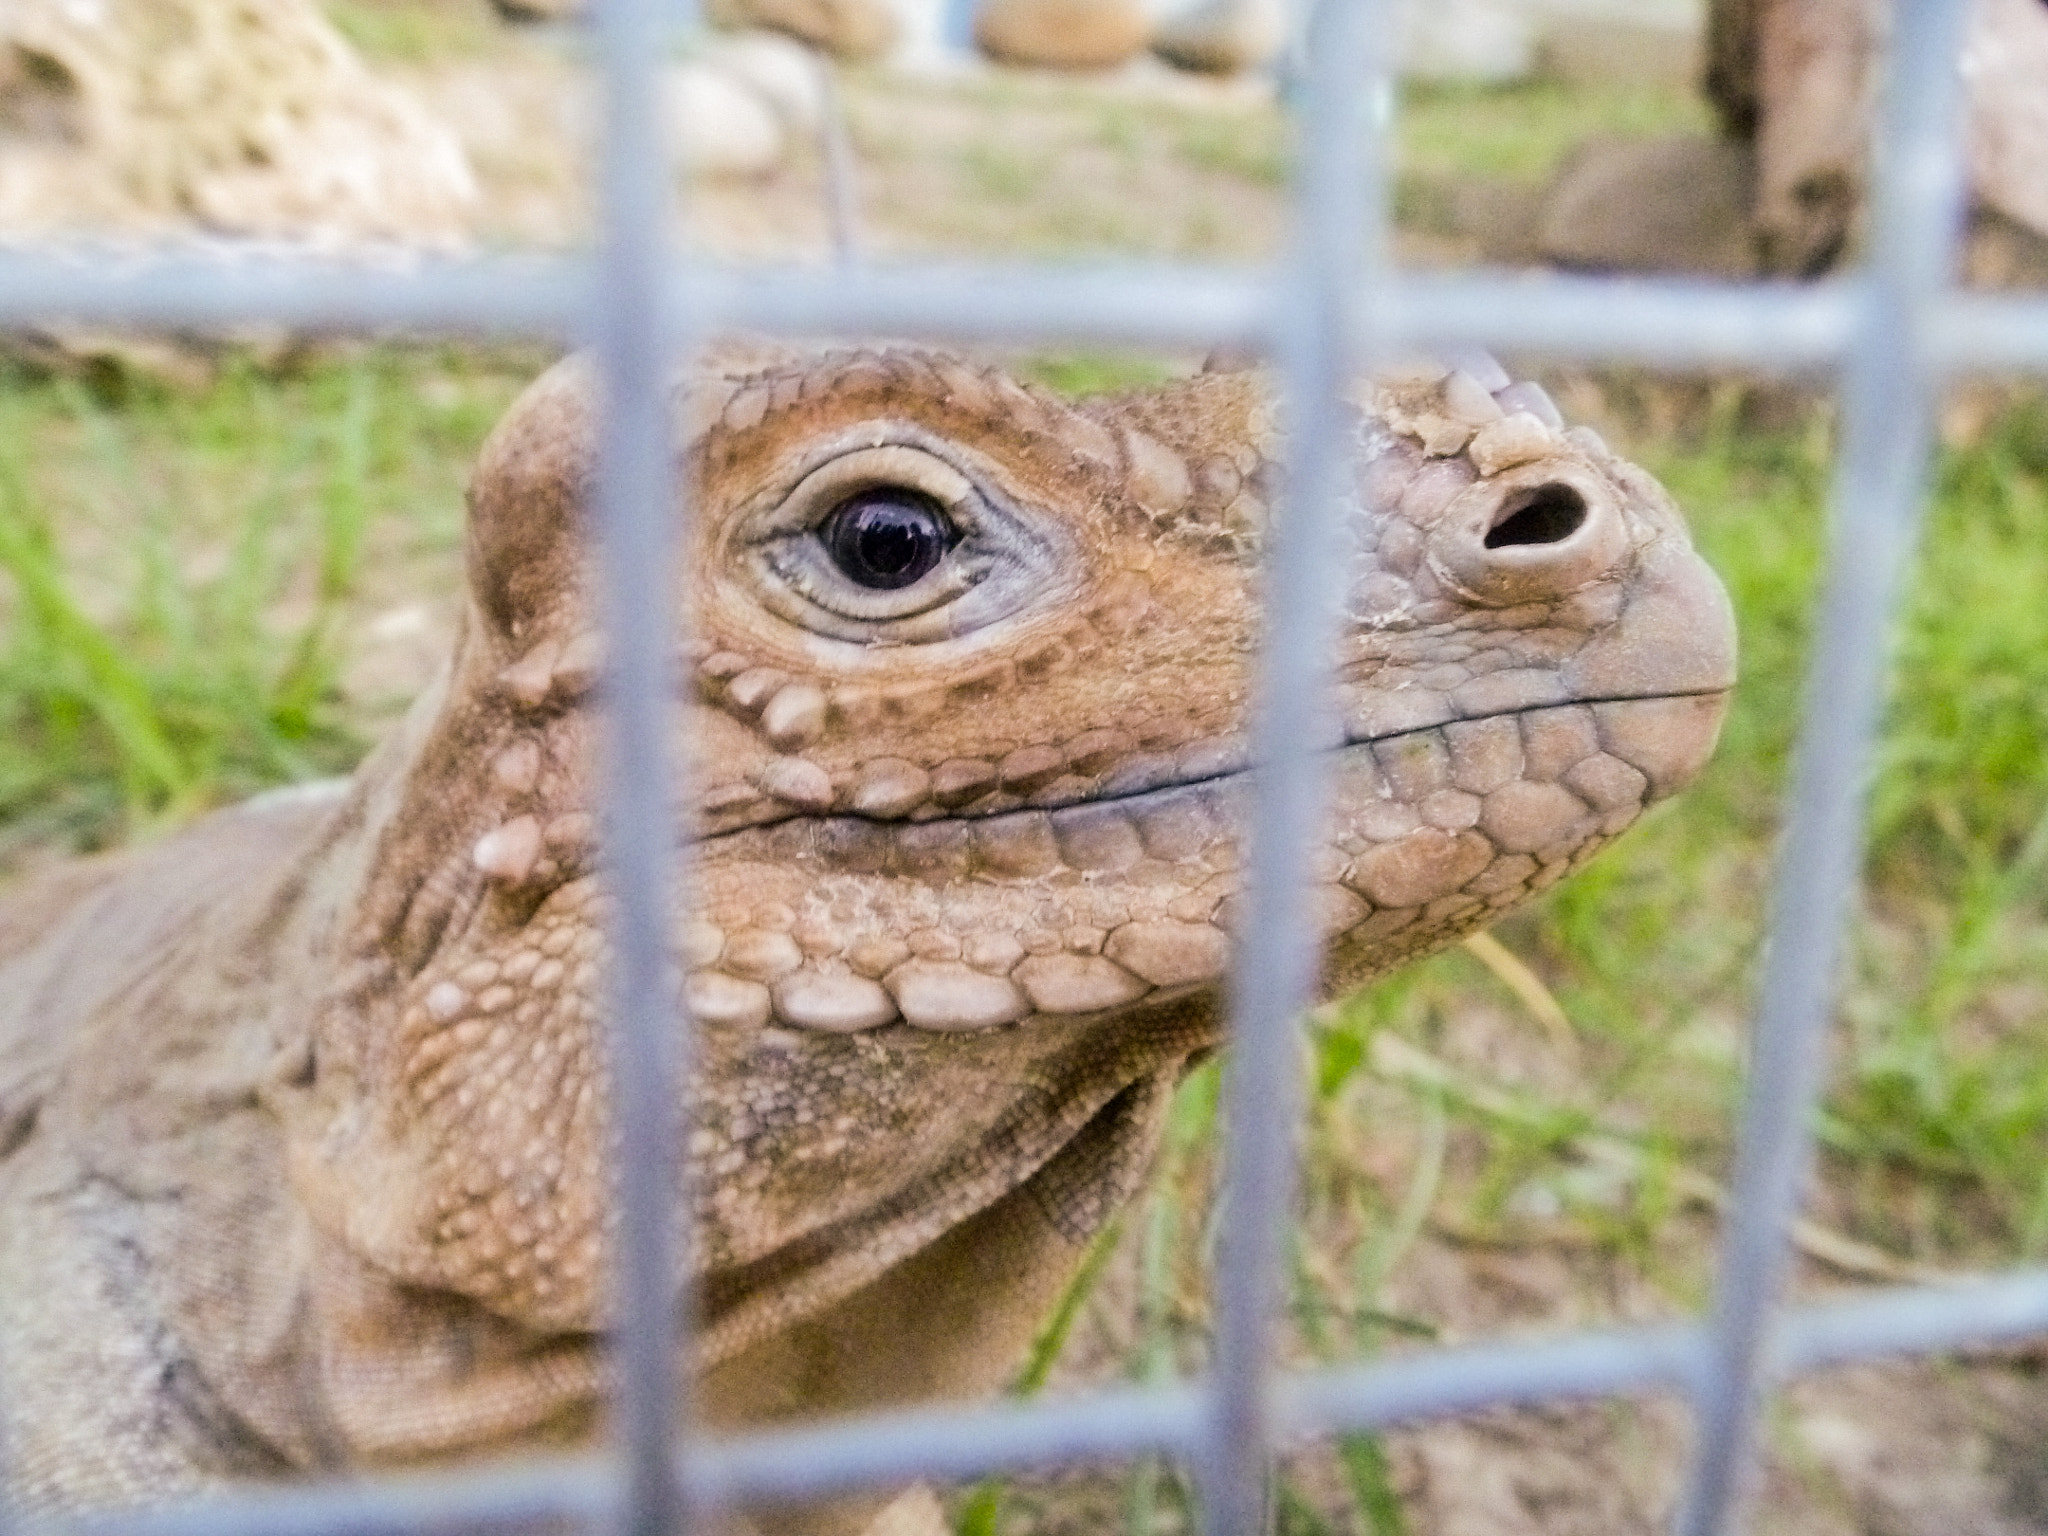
x=965, y=712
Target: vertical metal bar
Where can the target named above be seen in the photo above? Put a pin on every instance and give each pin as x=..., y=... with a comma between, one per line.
x=1879, y=488
x=636, y=508
x=1338, y=252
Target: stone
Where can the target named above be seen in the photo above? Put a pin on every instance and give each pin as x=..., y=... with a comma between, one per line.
x=1796, y=81
x=1222, y=37
x=1482, y=41
x=778, y=69
x=1062, y=34
x=527, y=12
x=853, y=30
x=717, y=125
x=159, y=117
x=1663, y=205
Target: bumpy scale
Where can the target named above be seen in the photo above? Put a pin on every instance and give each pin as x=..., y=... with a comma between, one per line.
x=302, y=1135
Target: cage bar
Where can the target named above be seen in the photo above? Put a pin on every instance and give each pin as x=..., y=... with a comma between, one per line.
x=1899, y=329
x=1879, y=493
x=643, y=854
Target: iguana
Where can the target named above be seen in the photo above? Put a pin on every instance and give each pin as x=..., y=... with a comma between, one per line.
x=302, y=1118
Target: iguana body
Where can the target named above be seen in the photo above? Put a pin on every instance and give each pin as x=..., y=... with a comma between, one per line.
x=301, y=1118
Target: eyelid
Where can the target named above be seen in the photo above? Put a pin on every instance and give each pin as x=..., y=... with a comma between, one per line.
x=815, y=497
x=1005, y=556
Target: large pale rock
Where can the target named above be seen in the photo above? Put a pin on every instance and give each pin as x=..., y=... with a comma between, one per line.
x=1062, y=34
x=778, y=69
x=1223, y=37
x=1477, y=40
x=247, y=117
x=1667, y=205
x=718, y=126
x=540, y=10
x=1801, y=78
x=846, y=29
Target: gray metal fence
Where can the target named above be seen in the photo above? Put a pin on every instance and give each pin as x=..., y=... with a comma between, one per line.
x=1896, y=332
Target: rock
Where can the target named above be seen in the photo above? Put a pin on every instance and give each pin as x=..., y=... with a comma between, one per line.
x=1611, y=51
x=718, y=126
x=2006, y=63
x=846, y=29
x=1223, y=37
x=526, y=11
x=151, y=116
x=1663, y=205
x=1799, y=78
x=1477, y=40
x=2002, y=253
x=1062, y=34
x=778, y=69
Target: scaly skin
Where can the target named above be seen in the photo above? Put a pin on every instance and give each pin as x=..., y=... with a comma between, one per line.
x=301, y=1124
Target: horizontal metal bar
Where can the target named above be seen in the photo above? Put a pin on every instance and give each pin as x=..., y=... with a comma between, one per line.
x=225, y=286
x=948, y=1444
x=1988, y=333
x=952, y=1444
x=1442, y=1383
x=1664, y=322
x=1920, y=1320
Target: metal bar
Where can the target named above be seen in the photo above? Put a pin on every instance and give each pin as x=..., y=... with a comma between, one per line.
x=1442, y=1382
x=1677, y=323
x=636, y=509
x=219, y=286
x=1982, y=332
x=950, y=1444
x=878, y=1449
x=1916, y=1321
x=1665, y=322
x=1340, y=212
x=1917, y=200
x=1898, y=330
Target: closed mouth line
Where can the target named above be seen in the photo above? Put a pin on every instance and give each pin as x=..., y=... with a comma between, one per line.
x=1240, y=769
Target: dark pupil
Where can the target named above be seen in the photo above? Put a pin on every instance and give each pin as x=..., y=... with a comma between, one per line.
x=886, y=538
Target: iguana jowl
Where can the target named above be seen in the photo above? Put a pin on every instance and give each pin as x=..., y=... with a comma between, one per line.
x=302, y=1131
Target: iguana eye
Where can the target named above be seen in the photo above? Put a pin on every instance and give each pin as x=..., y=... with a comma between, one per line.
x=893, y=536
x=887, y=538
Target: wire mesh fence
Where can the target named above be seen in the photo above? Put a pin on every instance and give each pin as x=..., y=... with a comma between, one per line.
x=1896, y=332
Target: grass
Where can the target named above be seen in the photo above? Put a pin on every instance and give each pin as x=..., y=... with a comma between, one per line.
x=1522, y=132
x=184, y=576
x=177, y=570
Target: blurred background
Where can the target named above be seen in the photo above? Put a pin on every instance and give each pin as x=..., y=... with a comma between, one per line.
x=229, y=562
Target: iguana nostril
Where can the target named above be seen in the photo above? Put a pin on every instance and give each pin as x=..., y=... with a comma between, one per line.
x=1543, y=514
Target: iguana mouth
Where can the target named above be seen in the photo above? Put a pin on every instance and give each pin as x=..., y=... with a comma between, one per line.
x=1429, y=828
x=1225, y=759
